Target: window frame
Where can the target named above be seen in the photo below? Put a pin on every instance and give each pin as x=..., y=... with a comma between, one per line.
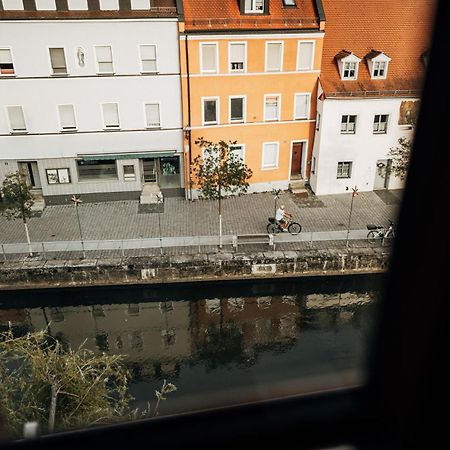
x=379, y=122
x=374, y=68
x=57, y=169
x=159, y=115
x=105, y=126
x=278, y=96
x=242, y=146
x=254, y=10
x=96, y=180
x=308, y=113
x=347, y=123
x=244, y=69
x=61, y=128
x=204, y=44
x=313, y=52
x=52, y=69
x=141, y=59
x=97, y=62
x=340, y=175
x=217, y=121
x=11, y=129
x=124, y=175
x=277, y=163
x=355, y=77
x=266, y=59
x=244, y=108
x=8, y=75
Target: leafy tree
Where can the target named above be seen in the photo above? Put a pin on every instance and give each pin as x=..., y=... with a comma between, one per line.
x=44, y=381
x=17, y=200
x=220, y=172
x=400, y=156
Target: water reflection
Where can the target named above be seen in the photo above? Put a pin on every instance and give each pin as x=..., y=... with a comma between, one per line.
x=211, y=346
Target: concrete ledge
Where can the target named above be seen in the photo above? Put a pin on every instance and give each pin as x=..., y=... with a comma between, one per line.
x=172, y=269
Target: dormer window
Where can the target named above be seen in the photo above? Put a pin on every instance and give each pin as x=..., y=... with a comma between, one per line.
x=289, y=3
x=348, y=64
x=254, y=6
x=378, y=64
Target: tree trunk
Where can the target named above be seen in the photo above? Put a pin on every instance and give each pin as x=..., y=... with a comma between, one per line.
x=28, y=238
x=52, y=413
x=220, y=219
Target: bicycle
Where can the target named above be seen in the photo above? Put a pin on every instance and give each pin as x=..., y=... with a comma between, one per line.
x=274, y=226
x=378, y=233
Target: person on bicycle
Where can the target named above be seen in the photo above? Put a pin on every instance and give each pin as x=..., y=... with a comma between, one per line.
x=282, y=216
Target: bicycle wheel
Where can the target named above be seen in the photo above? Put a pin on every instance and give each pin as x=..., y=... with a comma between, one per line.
x=272, y=228
x=294, y=228
x=373, y=236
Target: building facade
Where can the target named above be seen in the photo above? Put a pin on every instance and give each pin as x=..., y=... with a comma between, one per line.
x=249, y=74
x=91, y=97
x=373, y=68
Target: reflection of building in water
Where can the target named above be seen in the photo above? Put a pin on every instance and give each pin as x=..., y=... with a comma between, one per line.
x=234, y=329
x=150, y=335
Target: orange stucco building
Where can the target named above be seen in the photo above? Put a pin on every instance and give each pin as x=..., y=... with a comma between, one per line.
x=249, y=74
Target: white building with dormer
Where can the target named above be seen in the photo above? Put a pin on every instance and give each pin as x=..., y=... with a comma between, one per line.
x=90, y=98
x=369, y=91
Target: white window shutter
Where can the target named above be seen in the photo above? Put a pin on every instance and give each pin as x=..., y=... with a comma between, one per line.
x=301, y=106
x=5, y=56
x=67, y=116
x=152, y=115
x=111, y=114
x=305, y=56
x=237, y=52
x=209, y=62
x=16, y=118
x=270, y=155
x=273, y=56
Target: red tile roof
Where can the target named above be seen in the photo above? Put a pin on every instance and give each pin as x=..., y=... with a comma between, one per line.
x=214, y=15
x=400, y=29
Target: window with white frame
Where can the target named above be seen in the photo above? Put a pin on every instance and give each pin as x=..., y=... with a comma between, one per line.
x=305, y=53
x=103, y=53
x=238, y=150
x=301, y=107
x=58, y=176
x=254, y=6
x=274, y=56
x=6, y=62
x=58, y=61
x=129, y=172
x=380, y=123
x=16, y=119
x=210, y=111
x=148, y=58
x=270, y=155
x=103, y=169
x=152, y=115
x=348, y=124
x=271, y=107
x=111, y=115
x=379, y=69
x=289, y=3
x=237, y=56
x=349, y=72
x=344, y=169
x=237, y=109
x=67, y=117
x=208, y=57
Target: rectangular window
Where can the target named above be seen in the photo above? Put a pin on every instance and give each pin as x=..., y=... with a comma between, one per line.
x=111, y=115
x=349, y=71
x=237, y=109
x=305, y=55
x=380, y=123
x=210, y=109
x=129, y=172
x=274, y=53
x=6, y=63
x=97, y=170
x=344, y=169
x=238, y=150
x=254, y=6
x=318, y=121
x=58, y=176
x=152, y=116
x=208, y=57
x=148, y=58
x=348, y=124
x=270, y=155
x=301, y=110
x=379, y=69
x=67, y=117
x=58, y=61
x=16, y=119
x=237, y=57
x=103, y=54
x=289, y=3
x=271, y=107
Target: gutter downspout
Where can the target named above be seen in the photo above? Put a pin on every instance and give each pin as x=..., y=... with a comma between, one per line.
x=189, y=116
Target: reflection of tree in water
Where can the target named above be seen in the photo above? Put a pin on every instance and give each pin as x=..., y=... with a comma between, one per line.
x=223, y=346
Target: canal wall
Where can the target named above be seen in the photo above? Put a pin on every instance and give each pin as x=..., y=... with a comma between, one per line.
x=177, y=268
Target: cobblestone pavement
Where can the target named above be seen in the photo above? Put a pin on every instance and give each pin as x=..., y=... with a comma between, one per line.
x=245, y=214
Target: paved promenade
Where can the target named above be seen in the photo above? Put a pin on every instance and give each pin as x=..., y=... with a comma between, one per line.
x=246, y=214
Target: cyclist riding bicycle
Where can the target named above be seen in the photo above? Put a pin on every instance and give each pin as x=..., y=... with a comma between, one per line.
x=282, y=216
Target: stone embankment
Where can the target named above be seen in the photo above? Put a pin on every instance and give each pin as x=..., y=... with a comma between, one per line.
x=168, y=269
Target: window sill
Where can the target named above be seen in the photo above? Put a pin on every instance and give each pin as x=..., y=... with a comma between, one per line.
x=105, y=74
x=149, y=72
x=270, y=168
x=206, y=124
x=68, y=130
x=379, y=132
x=58, y=75
x=19, y=132
x=112, y=129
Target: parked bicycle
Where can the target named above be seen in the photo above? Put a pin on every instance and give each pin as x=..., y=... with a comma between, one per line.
x=378, y=233
x=274, y=226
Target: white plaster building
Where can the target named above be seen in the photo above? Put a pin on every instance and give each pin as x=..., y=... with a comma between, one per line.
x=90, y=97
x=369, y=92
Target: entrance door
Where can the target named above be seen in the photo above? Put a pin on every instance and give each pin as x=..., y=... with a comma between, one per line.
x=149, y=167
x=382, y=173
x=31, y=172
x=296, y=163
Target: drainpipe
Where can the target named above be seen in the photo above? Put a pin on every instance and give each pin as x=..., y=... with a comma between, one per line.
x=188, y=128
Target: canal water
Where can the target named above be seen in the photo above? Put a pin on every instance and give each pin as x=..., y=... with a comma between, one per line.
x=220, y=343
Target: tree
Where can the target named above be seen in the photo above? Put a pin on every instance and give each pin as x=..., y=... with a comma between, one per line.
x=220, y=171
x=42, y=380
x=400, y=156
x=17, y=201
